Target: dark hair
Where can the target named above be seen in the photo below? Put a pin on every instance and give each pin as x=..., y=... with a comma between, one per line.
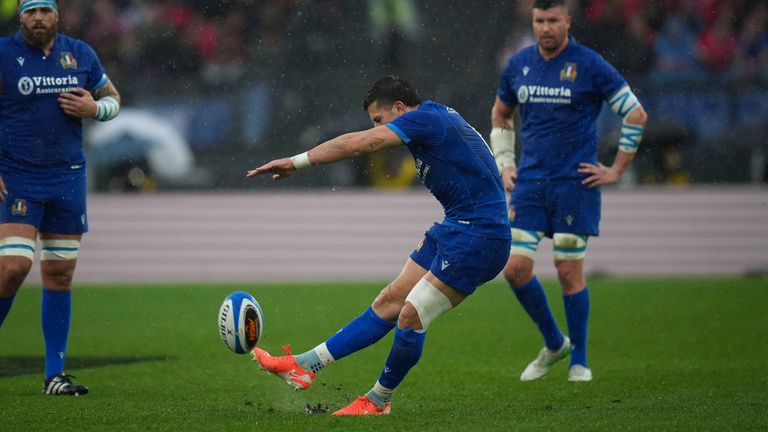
x=547, y=4
x=390, y=89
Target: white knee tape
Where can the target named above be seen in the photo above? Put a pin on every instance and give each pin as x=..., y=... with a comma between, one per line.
x=428, y=301
x=54, y=250
x=17, y=246
x=569, y=247
x=525, y=243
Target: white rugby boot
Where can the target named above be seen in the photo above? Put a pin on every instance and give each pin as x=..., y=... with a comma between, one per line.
x=578, y=372
x=546, y=358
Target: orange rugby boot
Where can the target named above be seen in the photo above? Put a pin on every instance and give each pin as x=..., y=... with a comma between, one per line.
x=285, y=367
x=363, y=406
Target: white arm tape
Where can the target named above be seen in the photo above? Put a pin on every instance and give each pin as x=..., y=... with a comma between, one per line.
x=503, y=147
x=57, y=250
x=428, y=301
x=107, y=108
x=623, y=102
x=301, y=161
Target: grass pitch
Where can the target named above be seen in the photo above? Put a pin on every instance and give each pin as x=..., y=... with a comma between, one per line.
x=667, y=354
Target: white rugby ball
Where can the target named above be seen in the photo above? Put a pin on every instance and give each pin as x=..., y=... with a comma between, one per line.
x=240, y=322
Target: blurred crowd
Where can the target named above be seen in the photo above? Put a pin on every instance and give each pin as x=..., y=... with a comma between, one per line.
x=238, y=76
x=143, y=41
x=669, y=42
x=216, y=41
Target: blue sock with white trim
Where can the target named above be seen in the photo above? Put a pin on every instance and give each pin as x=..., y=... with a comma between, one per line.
x=361, y=332
x=534, y=300
x=5, y=306
x=577, y=315
x=56, y=312
x=405, y=353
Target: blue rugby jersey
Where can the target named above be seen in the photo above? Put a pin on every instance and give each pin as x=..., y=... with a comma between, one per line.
x=457, y=166
x=34, y=130
x=559, y=101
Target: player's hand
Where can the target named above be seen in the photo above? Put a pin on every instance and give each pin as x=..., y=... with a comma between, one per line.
x=598, y=175
x=79, y=103
x=3, y=190
x=280, y=168
x=509, y=177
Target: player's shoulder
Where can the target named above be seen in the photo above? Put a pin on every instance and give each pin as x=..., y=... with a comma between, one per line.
x=5, y=43
x=584, y=52
x=522, y=56
x=73, y=44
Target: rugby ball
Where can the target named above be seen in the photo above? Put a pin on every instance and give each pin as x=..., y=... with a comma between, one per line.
x=240, y=322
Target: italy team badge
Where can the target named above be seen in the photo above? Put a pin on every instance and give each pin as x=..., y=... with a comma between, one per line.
x=68, y=61
x=568, y=73
x=19, y=207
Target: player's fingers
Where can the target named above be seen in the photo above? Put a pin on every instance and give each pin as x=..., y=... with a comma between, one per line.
x=79, y=91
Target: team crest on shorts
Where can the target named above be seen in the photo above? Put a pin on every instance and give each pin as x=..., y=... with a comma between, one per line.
x=68, y=61
x=568, y=73
x=19, y=207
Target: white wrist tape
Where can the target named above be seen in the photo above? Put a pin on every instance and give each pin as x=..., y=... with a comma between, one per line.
x=428, y=301
x=503, y=147
x=301, y=161
x=107, y=108
x=631, y=136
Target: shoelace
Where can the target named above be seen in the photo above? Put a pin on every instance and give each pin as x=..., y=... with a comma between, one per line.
x=65, y=377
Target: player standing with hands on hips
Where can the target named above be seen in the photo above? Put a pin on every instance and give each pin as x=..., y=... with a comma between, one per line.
x=559, y=87
x=468, y=248
x=48, y=83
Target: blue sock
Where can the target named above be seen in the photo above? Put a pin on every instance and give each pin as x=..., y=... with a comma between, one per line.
x=5, y=306
x=361, y=332
x=577, y=315
x=56, y=312
x=405, y=353
x=534, y=301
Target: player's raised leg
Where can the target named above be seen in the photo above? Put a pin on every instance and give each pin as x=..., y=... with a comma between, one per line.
x=57, y=265
x=17, y=250
x=526, y=286
x=429, y=299
x=570, y=250
x=373, y=324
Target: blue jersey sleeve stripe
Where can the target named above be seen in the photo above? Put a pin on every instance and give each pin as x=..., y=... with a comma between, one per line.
x=102, y=82
x=399, y=132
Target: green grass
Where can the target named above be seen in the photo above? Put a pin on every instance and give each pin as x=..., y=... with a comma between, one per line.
x=667, y=354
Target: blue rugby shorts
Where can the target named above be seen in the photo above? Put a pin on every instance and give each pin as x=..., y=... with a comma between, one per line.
x=556, y=206
x=461, y=260
x=52, y=200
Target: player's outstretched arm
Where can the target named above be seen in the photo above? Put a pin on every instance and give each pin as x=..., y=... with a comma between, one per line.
x=345, y=146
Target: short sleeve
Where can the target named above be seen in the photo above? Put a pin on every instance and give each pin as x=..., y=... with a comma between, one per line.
x=507, y=86
x=97, y=77
x=419, y=126
x=606, y=79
